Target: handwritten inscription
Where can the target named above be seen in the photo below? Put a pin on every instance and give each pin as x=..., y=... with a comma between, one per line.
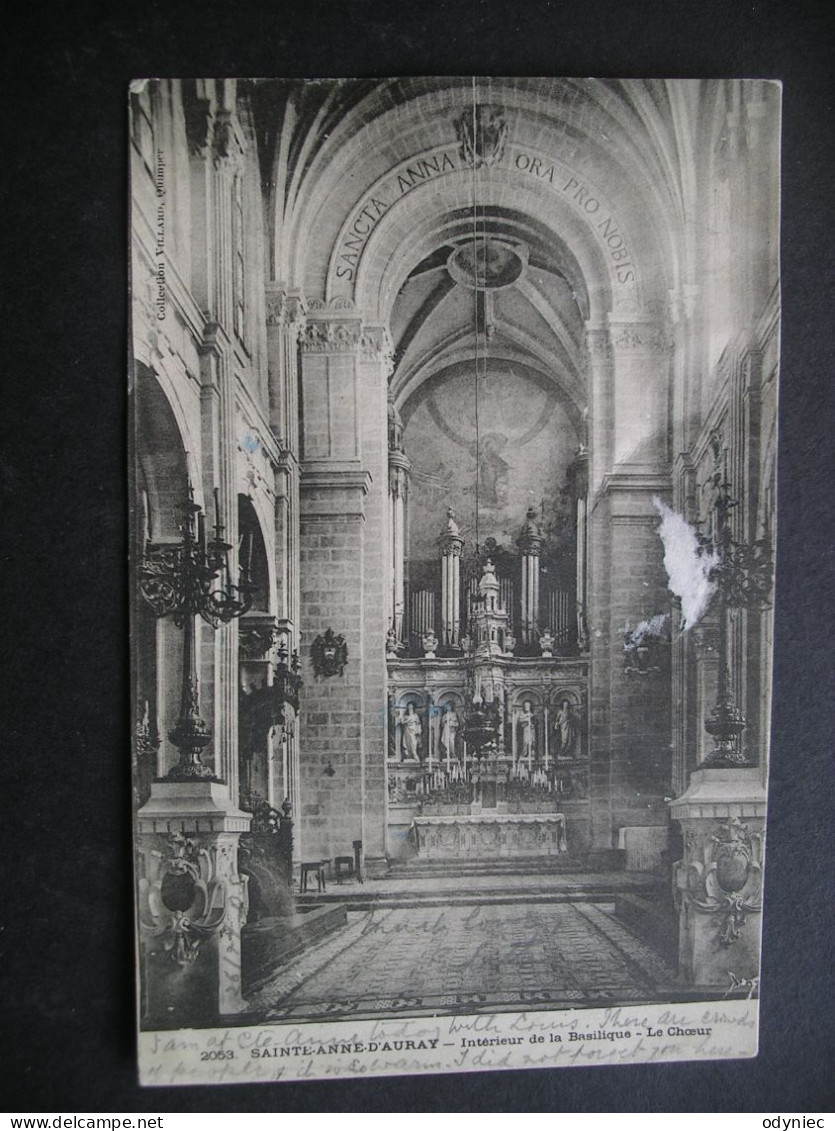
x=617, y=1035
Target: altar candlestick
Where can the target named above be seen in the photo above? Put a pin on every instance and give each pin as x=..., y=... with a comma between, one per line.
x=545, y=736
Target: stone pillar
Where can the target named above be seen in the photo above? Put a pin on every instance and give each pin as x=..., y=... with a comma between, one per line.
x=398, y=497
x=578, y=478
x=718, y=881
x=530, y=544
x=218, y=650
x=344, y=582
x=630, y=716
x=599, y=572
x=216, y=163
x=451, y=544
x=374, y=367
x=192, y=905
x=285, y=313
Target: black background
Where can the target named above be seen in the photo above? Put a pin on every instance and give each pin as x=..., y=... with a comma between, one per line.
x=65, y=904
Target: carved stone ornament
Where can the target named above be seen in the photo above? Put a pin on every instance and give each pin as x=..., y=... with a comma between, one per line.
x=375, y=345
x=482, y=136
x=429, y=643
x=727, y=882
x=330, y=337
x=145, y=738
x=256, y=640
x=547, y=643
x=329, y=654
x=198, y=116
x=187, y=900
x=598, y=341
x=226, y=149
x=275, y=305
x=639, y=337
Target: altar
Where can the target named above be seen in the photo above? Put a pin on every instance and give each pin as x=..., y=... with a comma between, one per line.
x=475, y=835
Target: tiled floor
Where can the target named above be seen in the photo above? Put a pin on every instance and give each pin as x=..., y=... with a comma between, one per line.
x=443, y=958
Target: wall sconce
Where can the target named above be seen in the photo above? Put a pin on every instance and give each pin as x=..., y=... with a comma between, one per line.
x=646, y=646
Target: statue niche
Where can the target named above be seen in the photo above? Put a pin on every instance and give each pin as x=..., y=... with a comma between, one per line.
x=526, y=732
x=566, y=730
x=410, y=736
x=449, y=729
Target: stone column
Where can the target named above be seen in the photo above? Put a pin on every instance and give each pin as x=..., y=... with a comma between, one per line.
x=718, y=881
x=578, y=478
x=375, y=365
x=344, y=582
x=630, y=717
x=192, y=905
x=530, y=544
x=451, y=544
x=285, y=313
x=398, y=497
x=220, y=161
x=218, y=650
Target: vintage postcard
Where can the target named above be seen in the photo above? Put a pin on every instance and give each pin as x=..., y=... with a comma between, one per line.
x=453, y=422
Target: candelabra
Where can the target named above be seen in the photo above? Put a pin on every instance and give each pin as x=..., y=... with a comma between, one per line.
x=185, y=580
x=742, y=576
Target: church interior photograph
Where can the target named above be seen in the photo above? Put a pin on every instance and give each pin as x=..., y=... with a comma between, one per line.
x=453, y=428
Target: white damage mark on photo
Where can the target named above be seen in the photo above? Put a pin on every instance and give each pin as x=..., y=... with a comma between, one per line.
x=687, y=564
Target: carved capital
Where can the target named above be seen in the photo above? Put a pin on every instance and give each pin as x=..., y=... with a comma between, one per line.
x=598, y=341
x=275, y=303
x=638, y=338
x=197, y=112
x=681, y=305
x=256, y=641
x=375, y=345
x=285, y=309
x=451, y=546
x=330, y=337
x=226, y=146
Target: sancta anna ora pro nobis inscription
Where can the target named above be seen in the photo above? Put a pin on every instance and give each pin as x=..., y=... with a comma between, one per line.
x=515, y=165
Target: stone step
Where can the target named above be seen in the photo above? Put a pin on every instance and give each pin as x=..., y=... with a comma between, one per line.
x=271, y=942
x=511, y=865
x=364, y=897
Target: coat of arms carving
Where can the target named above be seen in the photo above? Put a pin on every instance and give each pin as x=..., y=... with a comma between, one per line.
x=329, y=653
x=482, y=135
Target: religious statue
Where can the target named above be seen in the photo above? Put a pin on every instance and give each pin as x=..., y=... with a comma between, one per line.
x=565, y=731
x=547, y=642
x=449, y=730
x=527, y=732
x=412, y=730
x=509, y=643
x=430, y=644
x=392, y=729
x=391, y=644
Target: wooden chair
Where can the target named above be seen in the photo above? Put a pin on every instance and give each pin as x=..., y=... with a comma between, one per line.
x=315, y=868
x=343, y=867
